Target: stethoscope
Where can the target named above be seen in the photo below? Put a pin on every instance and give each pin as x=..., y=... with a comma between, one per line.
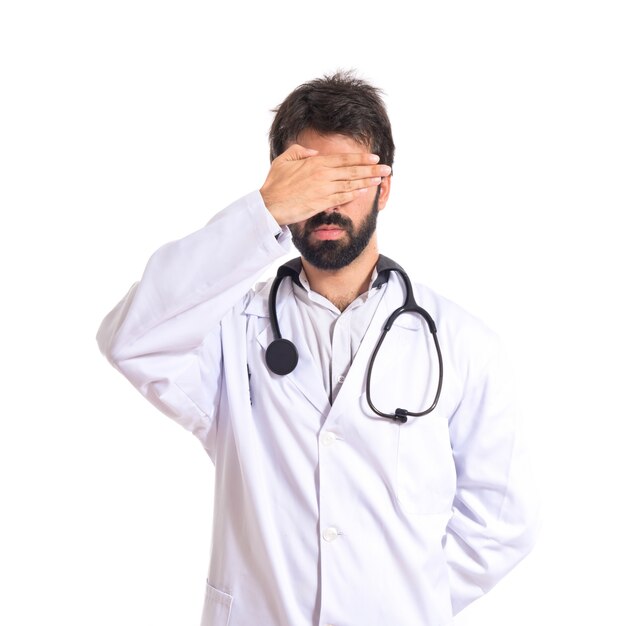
x=281, y=355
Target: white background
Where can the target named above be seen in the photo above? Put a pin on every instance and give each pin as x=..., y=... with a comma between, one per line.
x=126, y=124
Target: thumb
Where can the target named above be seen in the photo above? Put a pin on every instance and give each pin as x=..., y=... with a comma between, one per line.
x=295, y=152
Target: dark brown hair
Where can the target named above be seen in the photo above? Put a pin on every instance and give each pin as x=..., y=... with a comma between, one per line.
x=339, y=103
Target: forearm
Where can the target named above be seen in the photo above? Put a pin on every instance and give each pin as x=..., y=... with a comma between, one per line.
x=164, y=336
x=190, y=284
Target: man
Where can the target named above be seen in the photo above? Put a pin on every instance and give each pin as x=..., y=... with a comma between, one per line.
x=328, y=513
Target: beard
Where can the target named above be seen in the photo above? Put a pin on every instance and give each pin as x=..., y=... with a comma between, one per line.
x=334, y=254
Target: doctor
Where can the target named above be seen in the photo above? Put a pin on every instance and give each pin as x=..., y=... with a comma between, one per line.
x=325, y=512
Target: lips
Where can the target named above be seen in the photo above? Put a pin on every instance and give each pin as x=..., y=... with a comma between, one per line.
x=328, y=232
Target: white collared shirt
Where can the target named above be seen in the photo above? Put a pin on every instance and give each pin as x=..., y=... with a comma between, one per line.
x=334, y=336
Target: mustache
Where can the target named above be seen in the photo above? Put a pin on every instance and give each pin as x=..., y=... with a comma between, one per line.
x=327, y=219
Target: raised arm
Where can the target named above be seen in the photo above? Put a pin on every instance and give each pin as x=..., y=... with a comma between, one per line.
x=164, y=336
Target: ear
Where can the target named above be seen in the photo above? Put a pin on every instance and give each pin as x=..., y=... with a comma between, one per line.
x=385, y=188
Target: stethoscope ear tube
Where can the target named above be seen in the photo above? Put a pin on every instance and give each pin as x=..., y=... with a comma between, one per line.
x=281, y=355
x=400, y=415
x=409, y=306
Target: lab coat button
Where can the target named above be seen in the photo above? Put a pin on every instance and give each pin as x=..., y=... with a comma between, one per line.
x=330, y=534
x=341, y=379
x=328, y=439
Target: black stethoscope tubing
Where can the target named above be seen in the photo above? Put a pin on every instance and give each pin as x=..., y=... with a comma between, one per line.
x=281, y=355
x=409, y=306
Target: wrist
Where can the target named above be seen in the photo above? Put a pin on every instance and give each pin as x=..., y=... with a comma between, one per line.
x=272, y=208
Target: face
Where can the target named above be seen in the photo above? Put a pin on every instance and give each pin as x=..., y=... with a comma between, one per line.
x=334, y=238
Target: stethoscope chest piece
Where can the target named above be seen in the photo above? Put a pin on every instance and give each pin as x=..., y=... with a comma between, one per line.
x=281, y=356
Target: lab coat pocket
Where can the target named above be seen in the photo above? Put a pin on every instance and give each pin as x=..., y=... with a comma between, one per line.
x=217, y=605
x=426, y=475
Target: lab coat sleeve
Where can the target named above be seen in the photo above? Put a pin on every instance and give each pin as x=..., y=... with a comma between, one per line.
x=165, y=335
x=494, y=520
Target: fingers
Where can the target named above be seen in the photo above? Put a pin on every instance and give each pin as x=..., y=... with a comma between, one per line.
x=345, y=166
x=347, y=159
x=357, y=172
x=348, y=166
x=337, y=161
x=344, y=197
x=346, y=186
x=296, y=152
x=342, y=192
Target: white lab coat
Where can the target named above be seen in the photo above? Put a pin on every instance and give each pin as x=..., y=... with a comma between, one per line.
x=328, y=514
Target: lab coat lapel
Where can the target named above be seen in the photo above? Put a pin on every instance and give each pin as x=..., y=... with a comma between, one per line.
x=354, y=384
x=307, y=375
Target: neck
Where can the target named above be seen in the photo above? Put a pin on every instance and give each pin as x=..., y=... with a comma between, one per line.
x=344, y=285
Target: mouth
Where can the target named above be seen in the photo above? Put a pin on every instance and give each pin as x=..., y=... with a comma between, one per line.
x=328, y=232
